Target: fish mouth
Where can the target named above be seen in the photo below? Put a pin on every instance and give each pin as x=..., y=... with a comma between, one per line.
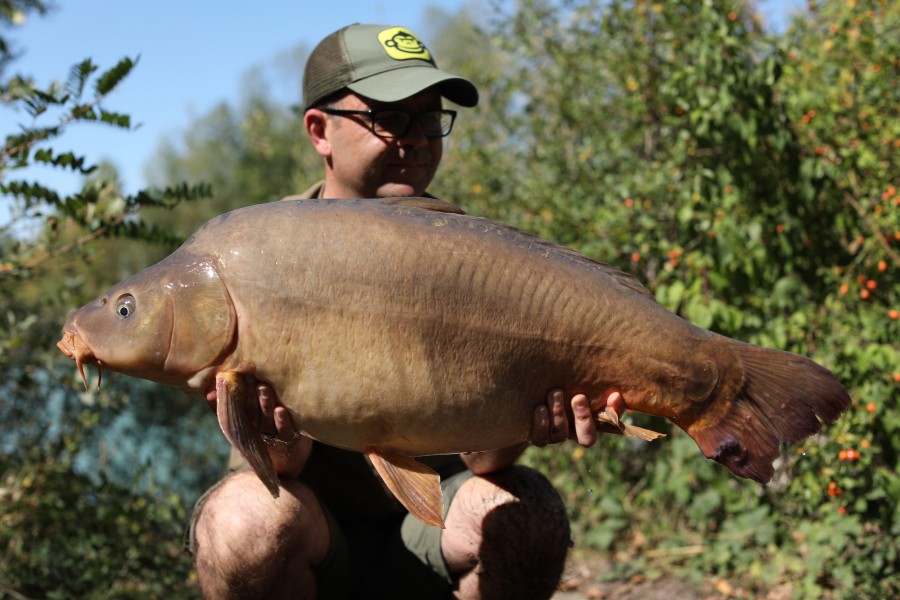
x=77, y=350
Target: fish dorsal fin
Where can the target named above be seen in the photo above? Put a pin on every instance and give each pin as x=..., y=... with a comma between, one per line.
x=235, y=423
x=428, y=203
x=415, y=485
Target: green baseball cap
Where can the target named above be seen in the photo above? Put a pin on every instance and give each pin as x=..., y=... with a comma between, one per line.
x=382, y=62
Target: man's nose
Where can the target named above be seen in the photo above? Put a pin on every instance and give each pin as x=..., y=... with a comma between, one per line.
x=416, y=135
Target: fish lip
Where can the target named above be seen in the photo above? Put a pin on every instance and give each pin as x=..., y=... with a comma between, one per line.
x=80, y=354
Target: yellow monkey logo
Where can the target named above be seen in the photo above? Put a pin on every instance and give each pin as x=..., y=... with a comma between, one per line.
x=401, y=44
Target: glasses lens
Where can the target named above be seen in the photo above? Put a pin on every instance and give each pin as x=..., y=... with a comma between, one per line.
x=436, y=123
x=391, y=123
x=395, y=123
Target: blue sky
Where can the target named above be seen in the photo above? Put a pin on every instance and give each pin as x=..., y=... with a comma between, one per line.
x=193, y=55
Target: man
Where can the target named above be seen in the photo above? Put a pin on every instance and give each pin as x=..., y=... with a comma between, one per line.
x=373, y=111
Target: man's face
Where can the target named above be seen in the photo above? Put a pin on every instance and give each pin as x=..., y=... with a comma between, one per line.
x=364, y=165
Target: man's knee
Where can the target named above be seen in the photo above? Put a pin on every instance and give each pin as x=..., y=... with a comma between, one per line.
x=508, y=531
x=243, y=537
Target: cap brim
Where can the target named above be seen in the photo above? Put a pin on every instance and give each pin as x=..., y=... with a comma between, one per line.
x=400, y=84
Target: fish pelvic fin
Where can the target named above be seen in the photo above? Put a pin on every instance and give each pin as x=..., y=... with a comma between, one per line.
x=415, y=485
x=231, y=398
x=608, y=421
x=767, y=397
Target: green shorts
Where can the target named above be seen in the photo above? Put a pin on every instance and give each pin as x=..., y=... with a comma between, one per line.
x=398, y=557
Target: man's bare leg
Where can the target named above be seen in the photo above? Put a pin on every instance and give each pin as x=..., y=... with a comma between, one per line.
x=249, y=545
x=507, y=536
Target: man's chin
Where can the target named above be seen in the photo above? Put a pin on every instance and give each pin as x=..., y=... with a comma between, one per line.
x=399, y=190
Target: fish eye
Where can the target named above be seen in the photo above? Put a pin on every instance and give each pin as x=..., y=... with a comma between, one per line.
x=125, y=306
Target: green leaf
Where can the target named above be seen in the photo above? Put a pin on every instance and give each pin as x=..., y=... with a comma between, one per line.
x=111, y=78
x=66, y=160
x=79, y=75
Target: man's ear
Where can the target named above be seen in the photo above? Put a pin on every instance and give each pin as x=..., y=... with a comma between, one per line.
x=316, y=123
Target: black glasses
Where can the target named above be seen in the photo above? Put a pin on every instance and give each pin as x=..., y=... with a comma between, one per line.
x=391, y=123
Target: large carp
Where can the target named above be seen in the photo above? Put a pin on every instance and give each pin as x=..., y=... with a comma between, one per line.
x=401, y=328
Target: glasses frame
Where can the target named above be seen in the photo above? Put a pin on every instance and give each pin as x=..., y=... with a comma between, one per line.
x=414, y=117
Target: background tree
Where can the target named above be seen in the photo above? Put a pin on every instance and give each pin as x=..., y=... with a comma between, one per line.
x=66, y=528
x=724, y=168
x=256, y=152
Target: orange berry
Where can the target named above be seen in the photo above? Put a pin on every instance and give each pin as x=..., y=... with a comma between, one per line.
x=897, y=377
x=842, y=511
x=779, y=228
x=732, y=16
x=635, y=256
x=882, y=265
x=870, y=407
x=842, y=455
x=872, y=284
x=866, y=444
x=864, y=294
x=844, y=289
x=893, y=314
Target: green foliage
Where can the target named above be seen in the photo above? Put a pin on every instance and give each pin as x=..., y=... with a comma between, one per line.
x=68, y=528
x=63, y=535
x=750, y=183
x=256, y=153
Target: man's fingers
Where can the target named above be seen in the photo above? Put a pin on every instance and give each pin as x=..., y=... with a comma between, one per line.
x=267, y=402
x=616, y=402
x=540, y=427
x=559, y=423
x=585, y=430
x=284, y=424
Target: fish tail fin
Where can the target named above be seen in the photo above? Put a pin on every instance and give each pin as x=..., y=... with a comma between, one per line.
x=769, y=397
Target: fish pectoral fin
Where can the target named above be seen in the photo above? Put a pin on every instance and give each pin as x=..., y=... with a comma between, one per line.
x=231, y=398
x=608, y=422
x=416, y=486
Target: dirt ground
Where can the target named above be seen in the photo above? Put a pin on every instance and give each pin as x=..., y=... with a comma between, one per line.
x=580, y=582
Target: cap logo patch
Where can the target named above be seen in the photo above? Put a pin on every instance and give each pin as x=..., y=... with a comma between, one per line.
x=401, y=44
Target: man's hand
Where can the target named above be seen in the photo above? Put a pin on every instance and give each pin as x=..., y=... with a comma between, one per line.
x=289, y=450
x=551, y=421
x=551, y=426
